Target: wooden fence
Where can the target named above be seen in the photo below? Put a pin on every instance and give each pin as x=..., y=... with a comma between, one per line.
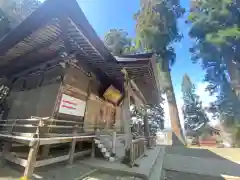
x=152, y=141
x=137, y=150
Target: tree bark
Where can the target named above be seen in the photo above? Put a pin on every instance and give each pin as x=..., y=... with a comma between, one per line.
x=173, y=110
x=233, y=67
x=233, y=71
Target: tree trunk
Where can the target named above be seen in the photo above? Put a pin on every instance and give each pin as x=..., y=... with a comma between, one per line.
x=173, y=110
x=233, y=71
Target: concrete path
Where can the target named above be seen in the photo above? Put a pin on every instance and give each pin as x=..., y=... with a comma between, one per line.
x=144, y=170
x=201, y=166
x=208, y=164
x=89, y=168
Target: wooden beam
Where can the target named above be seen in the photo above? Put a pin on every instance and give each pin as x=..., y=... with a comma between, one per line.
x=19, y=125
x=85, y=38
x=16, y=160
x=59, y=140
x=72, y=148
x=5, y=151
x=31, y=161
x=20, y=139
x=82, y=153
x=133, y=84
x=64, y=25
x=60, y=158
x=51, y=160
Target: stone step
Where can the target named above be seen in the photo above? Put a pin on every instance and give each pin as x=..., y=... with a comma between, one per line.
x=106, y=153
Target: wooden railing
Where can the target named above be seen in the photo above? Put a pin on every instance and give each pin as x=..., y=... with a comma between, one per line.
x=137, y=150
x=44, y=133
x=151, y=141
x=41, y=127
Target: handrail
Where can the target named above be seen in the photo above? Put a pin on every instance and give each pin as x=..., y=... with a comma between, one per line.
x=151, y=141
x=43, y=124
x=138, y=140
x=137, y=150
x=43, y=119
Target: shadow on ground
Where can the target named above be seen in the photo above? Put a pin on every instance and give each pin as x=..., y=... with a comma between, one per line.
x=7, y=173
x=58, y=171
x=175, y=175
x=185, y=163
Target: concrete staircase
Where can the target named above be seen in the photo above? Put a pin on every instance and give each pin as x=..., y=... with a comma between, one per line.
x=104, y=142
x=105, y=149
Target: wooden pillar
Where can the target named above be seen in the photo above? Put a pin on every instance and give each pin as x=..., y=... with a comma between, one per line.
x=72, y=151
x=41, y=130
x=32, y=157
x=45, y=149
x=146, y=126
x=6, y=149
x=127, y=118
x=72, y=146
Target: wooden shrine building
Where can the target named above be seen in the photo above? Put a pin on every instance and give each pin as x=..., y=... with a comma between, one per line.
x=64, y=85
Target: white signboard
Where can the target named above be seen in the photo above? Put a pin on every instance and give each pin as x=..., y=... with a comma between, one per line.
x=72, y=106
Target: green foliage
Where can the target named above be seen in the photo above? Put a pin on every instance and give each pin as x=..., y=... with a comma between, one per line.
x=118, y=42
x=224, y=36
x=156, y=116
x=18, y=10
x=156, y=28
x=215, y=25
x=194, y=113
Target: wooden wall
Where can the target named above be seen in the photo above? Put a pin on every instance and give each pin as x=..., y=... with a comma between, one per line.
x=75, y=84
x=35, y=95
x=40, y=95
x=99, y=114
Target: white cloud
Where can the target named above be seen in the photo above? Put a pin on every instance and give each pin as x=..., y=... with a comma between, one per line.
x=206, y=100
x=204, y=95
